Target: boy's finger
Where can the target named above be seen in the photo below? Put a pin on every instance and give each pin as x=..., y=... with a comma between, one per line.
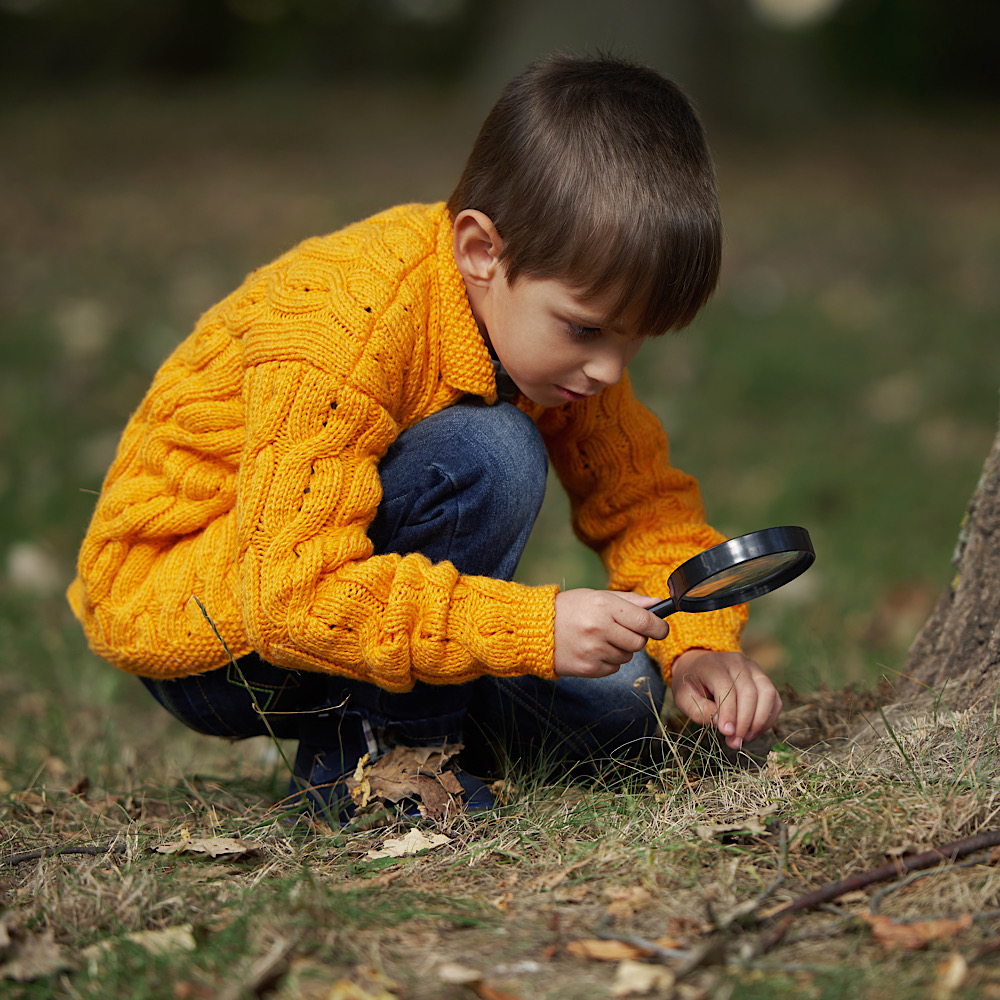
x=637, y=619
x=767, y=714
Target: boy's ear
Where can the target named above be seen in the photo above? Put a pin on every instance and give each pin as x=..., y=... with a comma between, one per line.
x=477, y=247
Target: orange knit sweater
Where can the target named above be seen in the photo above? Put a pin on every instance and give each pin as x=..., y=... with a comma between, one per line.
x=249, y=474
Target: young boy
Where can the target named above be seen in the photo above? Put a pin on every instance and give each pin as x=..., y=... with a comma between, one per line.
x=344, y=460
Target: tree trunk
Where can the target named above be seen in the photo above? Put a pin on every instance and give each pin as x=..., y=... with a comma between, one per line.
x=945, y=710
x=957, y=653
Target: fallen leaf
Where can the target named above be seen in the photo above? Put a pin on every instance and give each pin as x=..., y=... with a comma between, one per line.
x=214, y=847
x=503, y=901
x=600, y=950
x=361, y=792
x=164, y=941
x=34, y=956
x=951, y=975
x=639, y=979
x=415, y=773
x=625, y=902
x=459, y=975
x=916, y=935
x=80, y=787
x=414, y=842
x=32, y=801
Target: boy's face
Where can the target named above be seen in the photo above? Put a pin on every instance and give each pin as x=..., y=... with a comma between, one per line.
x=555, y=345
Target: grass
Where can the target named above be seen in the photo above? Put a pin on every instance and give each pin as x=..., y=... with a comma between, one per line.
x=844, y=379
x=669, y=856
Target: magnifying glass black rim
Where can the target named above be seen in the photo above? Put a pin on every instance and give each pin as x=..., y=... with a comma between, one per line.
x=726, y=555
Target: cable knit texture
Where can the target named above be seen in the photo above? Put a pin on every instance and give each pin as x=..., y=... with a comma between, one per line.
x=249, y=474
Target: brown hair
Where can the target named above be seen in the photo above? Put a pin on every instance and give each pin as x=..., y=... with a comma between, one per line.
x=597, y=172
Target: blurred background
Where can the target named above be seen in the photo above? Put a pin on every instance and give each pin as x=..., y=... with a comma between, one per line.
x=844, y=378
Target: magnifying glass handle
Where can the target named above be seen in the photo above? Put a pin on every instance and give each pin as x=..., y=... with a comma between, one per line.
x=664, y=608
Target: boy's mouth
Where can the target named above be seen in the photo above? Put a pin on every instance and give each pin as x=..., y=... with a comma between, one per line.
x=570, y=396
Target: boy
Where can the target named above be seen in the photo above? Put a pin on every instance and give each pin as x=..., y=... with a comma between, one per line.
x=343, y=462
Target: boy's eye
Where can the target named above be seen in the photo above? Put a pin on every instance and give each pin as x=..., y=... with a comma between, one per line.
x=578, y=332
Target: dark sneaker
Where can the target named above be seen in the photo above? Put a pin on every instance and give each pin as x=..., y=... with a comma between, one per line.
x=318, y=783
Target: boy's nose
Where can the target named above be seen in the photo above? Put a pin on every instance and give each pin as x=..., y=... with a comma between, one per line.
x=605, y=369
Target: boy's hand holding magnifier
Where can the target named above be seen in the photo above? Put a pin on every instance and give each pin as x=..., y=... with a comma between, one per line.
x=597, y=631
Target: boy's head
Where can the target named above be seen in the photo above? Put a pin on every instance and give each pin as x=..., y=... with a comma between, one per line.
x=597, y=172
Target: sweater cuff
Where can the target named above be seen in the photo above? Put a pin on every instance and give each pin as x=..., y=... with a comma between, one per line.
x=512, y=631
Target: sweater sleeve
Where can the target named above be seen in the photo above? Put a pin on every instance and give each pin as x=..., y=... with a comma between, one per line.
x=312, y=593
x=641, y=515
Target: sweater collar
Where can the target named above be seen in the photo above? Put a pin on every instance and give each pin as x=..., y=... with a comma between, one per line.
x=466, y=364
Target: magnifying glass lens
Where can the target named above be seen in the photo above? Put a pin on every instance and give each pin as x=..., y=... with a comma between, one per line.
x=745, y=574
x=738, y=570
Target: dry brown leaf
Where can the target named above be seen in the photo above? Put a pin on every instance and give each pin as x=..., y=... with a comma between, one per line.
x=600, y=950
x=34, y=956
x=408, y=773
x=639, y=979
x=35, y=804
x=414, y=842
x=214, y=847
x=917, y=935
x=626, y=902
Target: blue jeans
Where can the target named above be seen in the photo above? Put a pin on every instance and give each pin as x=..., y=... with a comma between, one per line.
x=464, y=485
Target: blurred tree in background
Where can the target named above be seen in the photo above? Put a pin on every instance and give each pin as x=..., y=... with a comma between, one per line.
x=844, y=376
x=741, y=56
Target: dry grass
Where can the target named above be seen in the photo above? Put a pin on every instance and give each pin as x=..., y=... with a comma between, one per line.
x=691, y=853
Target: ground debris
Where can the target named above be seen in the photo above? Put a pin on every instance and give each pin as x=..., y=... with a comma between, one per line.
x=26, y=956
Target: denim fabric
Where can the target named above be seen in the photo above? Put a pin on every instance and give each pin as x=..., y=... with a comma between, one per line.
x=464, y=485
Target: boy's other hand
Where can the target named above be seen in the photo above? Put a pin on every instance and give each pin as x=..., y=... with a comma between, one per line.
x=599, y=630
x=727, y=690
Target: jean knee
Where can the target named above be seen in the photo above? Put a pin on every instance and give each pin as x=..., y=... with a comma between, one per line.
x=508, y=452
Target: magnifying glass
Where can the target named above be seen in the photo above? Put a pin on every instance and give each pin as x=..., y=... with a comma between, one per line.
x=738, y=570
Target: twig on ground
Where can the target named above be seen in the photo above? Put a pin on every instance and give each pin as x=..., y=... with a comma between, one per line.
x=876, y=898
x=916, y=862
x=111, y=847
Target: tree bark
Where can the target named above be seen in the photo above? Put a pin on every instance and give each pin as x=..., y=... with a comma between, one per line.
x=943, y=717
x=956, y=655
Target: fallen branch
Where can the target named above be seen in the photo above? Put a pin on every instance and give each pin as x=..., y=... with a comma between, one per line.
x=892, y=869
x=112, y=847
